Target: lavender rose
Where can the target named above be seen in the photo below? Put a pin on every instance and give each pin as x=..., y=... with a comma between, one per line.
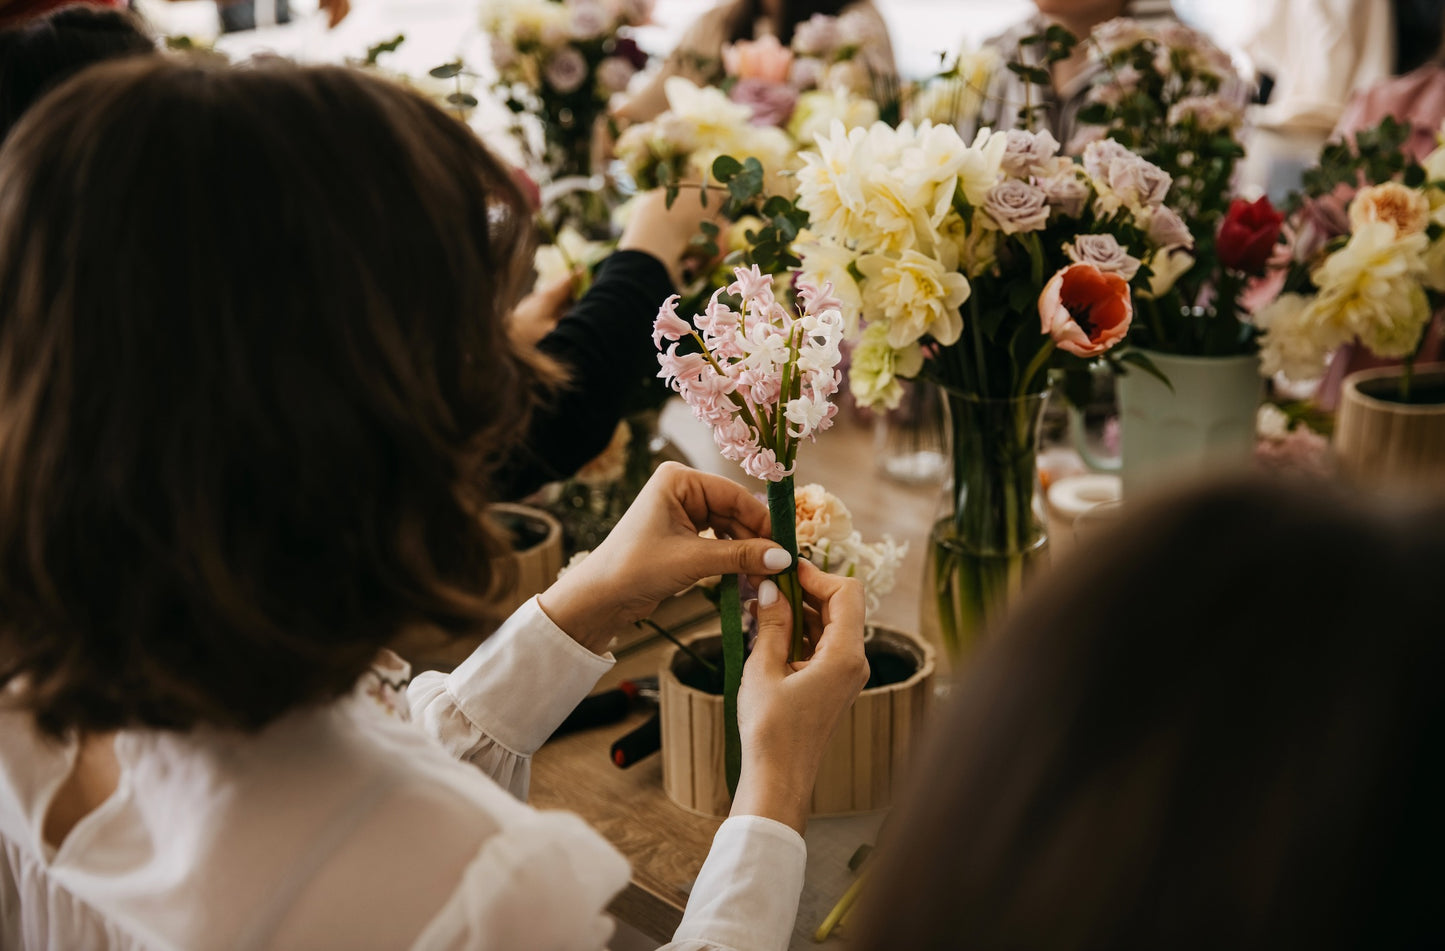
x=1017, y=206
x=817, y=37
x=1028, y=152
x=1167, y=229
x=1104, y=252
x=1066, y=192
x=1100, y=156
x=566, y=70
x=1120, y=33
x=1139, y=182
x=772, y=103
x=1210, y=113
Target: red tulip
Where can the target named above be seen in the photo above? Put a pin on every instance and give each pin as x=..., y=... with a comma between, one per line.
x=1248, y=235
x=1085, y=310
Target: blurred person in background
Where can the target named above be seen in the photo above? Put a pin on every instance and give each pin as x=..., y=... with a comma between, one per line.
x=1220, y=730
x=1310, y=57
x=1065, y=96
x=39, y=53
x=17, y=11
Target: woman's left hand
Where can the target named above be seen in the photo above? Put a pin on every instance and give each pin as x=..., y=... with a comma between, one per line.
x=655, y=552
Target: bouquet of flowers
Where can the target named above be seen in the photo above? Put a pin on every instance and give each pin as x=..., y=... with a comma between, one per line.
x=562, y=61
x=978, y=267
x=1171, y=96
x=1372, y=276
x=911, y=224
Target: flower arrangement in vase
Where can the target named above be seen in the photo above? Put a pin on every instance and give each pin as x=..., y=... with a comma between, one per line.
x=1366, y=268
x=762, y=377
x=562, y=61
x=1367, y=271
x=1170, y=95
x=979, y=267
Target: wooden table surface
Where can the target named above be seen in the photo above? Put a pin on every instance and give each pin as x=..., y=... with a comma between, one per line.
x=665, y=844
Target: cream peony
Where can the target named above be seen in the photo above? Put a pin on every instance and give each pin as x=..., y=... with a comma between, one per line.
x=1407, y=210
x=913, y=295
x=817, y=111
x=876, y=368
x=981, y=165
x=1290, y=345
x=821, y=516
x=826, y=263
x=1371, y=289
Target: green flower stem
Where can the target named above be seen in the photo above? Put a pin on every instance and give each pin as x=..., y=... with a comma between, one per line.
x=782, y=508
x=732, y=644
x=1039, y=361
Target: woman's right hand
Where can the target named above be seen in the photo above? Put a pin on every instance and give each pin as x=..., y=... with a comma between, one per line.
x=787, y=712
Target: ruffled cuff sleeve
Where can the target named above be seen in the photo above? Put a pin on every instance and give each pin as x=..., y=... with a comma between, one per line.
x=501, y=704
x=746, y=896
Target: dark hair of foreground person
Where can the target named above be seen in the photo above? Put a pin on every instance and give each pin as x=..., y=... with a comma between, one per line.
x=1220, y=728
x=282, y=468
x=39, y=54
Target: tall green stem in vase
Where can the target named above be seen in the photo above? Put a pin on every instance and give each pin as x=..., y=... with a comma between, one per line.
x=989, y=538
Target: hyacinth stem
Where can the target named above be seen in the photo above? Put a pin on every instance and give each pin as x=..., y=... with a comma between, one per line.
x=783, y=510
x=732, y=645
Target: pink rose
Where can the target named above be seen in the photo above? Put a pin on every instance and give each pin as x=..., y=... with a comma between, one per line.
x=764, y=59
x=1085, y=310
x=818, y=36
x=772, y=103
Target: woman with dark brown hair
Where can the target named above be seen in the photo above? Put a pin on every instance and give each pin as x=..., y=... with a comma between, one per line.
x=40, y=53
x=1222, y=730
x=245, y=433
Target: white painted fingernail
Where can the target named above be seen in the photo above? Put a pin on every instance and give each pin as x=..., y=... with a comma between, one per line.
x=776, y=559
x=767, y=593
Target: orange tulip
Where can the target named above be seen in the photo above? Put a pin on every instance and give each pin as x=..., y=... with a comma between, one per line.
x=1085, y=310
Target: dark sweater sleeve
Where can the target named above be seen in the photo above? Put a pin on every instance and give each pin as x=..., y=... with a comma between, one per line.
x=605, y=343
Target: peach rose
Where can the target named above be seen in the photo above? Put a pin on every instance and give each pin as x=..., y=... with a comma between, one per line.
x=1085, y=310
x=764, y=59
x=820, y=516
x=1405, y=208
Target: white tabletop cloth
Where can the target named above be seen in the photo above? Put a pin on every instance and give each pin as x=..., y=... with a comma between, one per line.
x=379, y=821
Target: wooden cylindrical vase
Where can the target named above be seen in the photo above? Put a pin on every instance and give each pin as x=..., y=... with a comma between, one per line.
x=866, y=759
x=1384, y=443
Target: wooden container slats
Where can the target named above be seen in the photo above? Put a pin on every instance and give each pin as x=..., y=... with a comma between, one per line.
x=865, y=761
x=1385, y=444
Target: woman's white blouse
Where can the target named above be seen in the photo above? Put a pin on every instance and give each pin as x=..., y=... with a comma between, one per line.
x=383, y=820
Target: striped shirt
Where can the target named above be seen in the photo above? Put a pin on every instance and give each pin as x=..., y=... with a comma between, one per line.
x=1008, y=93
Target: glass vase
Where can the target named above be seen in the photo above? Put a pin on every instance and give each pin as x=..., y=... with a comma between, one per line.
x=989, y=537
